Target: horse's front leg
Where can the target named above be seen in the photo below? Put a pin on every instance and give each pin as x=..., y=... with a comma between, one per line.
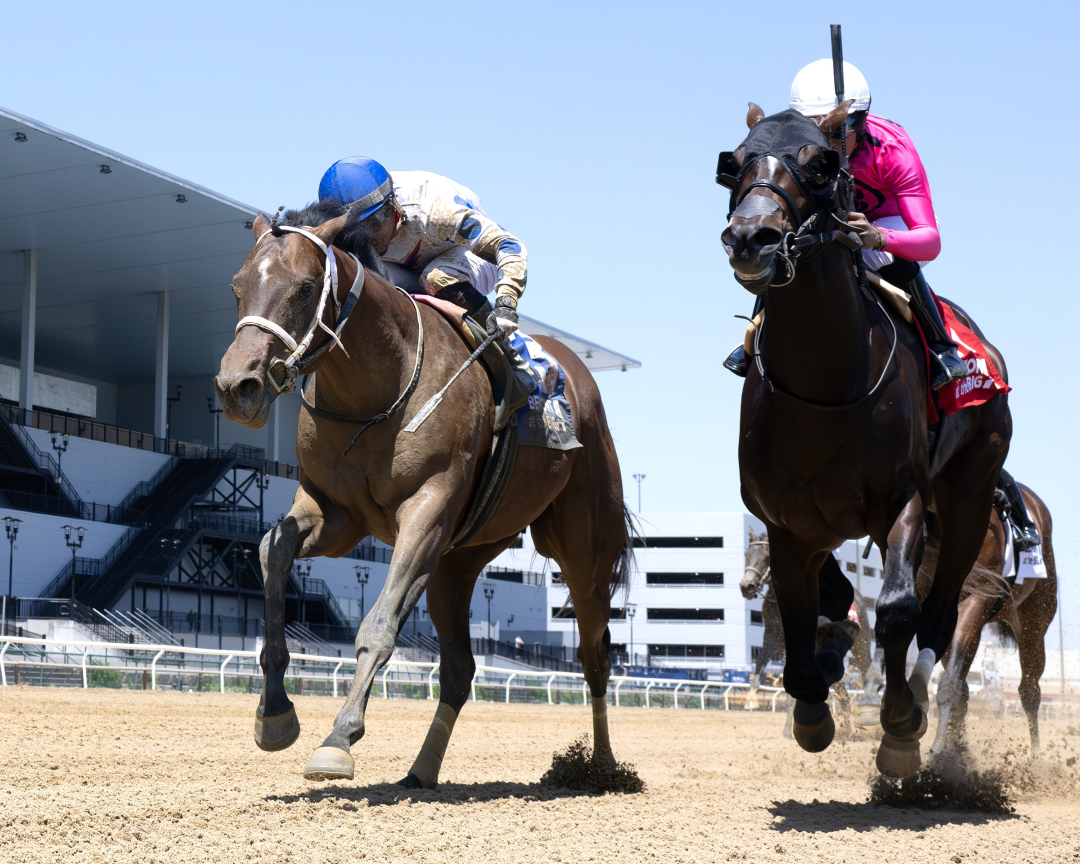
x=422, y=530
x=903, y=719
x=276, y=725
x=795, y=582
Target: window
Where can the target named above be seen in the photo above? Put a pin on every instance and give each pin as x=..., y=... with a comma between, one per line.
x=692, y=651
x=678, y=542
x=757, y=618
x=684, y=578
x=851, y=567
x=867, y=571
x=566, y=613
x=755, y=652
x=686, y=614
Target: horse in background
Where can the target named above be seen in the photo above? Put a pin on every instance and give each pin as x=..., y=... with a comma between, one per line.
x=1024, y=609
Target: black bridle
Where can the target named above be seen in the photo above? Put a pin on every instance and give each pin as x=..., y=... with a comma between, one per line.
x=805, y=241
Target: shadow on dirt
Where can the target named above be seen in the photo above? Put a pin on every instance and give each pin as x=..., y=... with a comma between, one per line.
x=389, y=794
x=829, y=816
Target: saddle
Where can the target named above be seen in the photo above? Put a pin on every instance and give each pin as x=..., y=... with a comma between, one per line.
x=509, y=395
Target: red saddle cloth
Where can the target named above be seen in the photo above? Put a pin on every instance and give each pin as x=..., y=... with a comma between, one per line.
x=982, y=382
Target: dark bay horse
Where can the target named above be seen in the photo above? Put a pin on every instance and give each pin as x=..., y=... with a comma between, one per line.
x=833, y=436
x=1026, y=609
x=408, y=489
x=757, y=578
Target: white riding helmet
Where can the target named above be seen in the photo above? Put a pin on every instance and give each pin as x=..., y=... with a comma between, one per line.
x=813, y=92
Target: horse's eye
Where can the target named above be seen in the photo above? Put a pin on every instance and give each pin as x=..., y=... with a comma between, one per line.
x=306, y=289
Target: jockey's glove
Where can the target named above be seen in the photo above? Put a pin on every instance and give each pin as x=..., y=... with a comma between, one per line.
x=504, y=320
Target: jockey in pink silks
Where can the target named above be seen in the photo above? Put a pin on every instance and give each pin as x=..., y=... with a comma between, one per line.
x=894, y=215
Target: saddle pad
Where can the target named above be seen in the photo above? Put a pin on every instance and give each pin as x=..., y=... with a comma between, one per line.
x=1019, y=566
x=982, y=382
x=544, y=421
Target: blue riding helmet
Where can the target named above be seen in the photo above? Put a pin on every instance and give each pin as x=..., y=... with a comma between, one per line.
x=357, y=180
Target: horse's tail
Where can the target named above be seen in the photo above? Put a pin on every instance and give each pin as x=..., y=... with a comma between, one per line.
x=620, y=574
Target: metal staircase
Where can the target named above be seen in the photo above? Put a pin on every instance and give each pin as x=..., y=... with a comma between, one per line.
x=29, y=478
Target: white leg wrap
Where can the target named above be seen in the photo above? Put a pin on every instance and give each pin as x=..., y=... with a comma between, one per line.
x=429, y=761
x=925, y=665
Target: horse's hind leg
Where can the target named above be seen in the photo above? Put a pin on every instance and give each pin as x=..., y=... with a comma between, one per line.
x=1030, y=640
x=585, y=532
x=898, y=615
x=448, y=598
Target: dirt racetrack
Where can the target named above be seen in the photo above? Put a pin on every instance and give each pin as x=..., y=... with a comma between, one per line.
x=128, y=776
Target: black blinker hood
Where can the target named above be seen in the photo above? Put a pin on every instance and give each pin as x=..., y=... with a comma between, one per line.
x=783, y=135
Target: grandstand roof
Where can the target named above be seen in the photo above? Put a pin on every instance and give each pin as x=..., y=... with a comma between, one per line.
x=111, y=232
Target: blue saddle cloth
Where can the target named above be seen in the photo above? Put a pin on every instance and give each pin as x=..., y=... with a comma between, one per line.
x=544, y=421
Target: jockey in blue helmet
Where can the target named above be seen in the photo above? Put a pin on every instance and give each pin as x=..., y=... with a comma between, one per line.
x=435, y=237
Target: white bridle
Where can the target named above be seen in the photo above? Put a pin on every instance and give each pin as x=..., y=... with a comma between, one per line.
x=330, y=284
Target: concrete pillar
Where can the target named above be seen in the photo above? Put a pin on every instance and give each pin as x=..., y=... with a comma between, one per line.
x=29, y=330
x=273, y=431
x=161, y=365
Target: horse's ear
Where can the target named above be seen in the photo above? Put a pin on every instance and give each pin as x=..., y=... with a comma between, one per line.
x=754, y=116
x=828, y=122
x=262, y=225
x=329, y=230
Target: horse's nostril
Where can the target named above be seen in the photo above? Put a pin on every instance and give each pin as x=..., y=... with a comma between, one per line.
x=765, y=236
x=249, y=390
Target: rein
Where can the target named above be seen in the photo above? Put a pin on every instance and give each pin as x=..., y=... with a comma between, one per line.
x=296, y=363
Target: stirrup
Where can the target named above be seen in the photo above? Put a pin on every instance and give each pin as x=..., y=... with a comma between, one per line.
x=951, y=367
x=1026, y=536
x=736, y=362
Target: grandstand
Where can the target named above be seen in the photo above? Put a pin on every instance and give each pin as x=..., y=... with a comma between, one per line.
x=137, y=508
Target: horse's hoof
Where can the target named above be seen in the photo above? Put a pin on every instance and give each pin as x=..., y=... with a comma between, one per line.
x=898, y=757
x=329, y=763
x=277, y=733
x=411, y=782
x=813, y=726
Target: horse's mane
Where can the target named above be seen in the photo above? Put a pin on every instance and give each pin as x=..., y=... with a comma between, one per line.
x=352, y=238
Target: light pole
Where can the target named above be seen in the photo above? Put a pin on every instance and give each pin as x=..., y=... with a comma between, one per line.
x=639, y=478
x=304, y=570
x=489, y=592
x=362, y=575
x=165, y=579
x=60, y=445
x=168, y=412
x=74, y=545
x=12, y=529
x=217, y=421
x=631, y=611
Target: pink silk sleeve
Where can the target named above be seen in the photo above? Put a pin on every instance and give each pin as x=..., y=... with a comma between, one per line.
x=921, y=242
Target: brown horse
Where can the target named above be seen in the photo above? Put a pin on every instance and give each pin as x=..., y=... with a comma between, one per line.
x=1026, y=609
x=409, y=489
x=757, y=575
x=833, y=438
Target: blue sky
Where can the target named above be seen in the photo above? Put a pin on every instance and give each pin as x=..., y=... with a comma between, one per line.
x=591, y=131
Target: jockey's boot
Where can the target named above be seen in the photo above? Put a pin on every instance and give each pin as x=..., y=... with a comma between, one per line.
x=1025, y=534
x=468, y=298
x=736, y=362
x=950, y=366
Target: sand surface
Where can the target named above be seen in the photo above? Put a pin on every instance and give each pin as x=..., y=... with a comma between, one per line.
x=105, y=775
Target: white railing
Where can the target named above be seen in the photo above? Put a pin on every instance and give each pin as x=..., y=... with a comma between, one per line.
x=413, y=678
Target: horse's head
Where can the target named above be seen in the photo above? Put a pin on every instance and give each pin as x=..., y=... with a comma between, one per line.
x=281, y=284
x=778, y=176
x=757, y=565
